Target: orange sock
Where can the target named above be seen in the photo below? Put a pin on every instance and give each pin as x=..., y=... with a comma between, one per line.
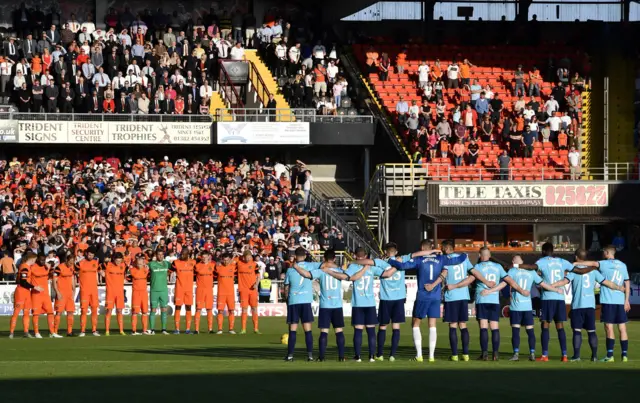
x=36, y=327
x=145, y=322
x=69, y=323
x=56, y=323
x=25, y=322
x=120, y=321
x=220, y=319
x=50, y=323
x=188, y=314
x=244, y=320
x=254, y=318
x=231, y=320
x=107, y=321
x=210, y=319
x=134, y=322
x=176, y=318
x=83, y=321
x=94, y=319
x=14, y=321
x=198, y=314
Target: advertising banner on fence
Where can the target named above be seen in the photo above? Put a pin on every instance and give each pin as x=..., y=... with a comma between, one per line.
x=540, y=195
x=8, y=131
x=142, y=133
x=274, y=133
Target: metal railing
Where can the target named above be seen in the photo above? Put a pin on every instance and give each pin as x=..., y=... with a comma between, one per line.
x=228, y=90
x=258, y=83
x=344, y=206
x=102, y=117
x=284, y=115
x=331, y=219
x=376, y=107
x=404, y=179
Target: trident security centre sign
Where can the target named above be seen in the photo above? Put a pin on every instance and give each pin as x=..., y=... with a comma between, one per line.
x=86, y=132
x=545, y=195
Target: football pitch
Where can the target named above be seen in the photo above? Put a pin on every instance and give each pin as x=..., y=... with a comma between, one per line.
x=238, y=368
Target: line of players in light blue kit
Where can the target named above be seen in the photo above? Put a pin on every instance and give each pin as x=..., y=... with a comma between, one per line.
x=451, y=271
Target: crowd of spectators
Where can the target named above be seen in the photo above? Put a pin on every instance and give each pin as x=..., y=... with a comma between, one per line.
x=457, y=112
x=148, y=63
x=308, y=71
x=61, y=207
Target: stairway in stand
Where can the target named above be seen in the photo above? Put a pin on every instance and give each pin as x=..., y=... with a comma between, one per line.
x=218, y=108
x=270, y=84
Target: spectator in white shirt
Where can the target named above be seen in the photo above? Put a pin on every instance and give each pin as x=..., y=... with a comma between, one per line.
x=319, y=52
x=237, y=52
x=574, y=163
x=423, y=74
x=551, y=106
x=452, y=75
x=88, y=26
x=528, y=113
x=332, y=71
x=565, y=121
x=143, y=104
x=206, y=91
x=554, y=123
x=73, y=24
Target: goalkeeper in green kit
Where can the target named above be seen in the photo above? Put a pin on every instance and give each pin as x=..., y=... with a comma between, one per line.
x=159, y=272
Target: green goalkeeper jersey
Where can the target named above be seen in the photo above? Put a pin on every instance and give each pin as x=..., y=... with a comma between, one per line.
x=159, y=272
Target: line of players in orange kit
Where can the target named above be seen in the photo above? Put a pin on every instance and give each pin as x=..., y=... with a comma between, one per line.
x=32, y=294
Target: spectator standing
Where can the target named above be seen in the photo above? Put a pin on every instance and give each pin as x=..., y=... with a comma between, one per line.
x=503, y=162
x=574, y=163
x=458, y=152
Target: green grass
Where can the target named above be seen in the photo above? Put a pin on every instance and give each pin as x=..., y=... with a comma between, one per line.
x=237, y=368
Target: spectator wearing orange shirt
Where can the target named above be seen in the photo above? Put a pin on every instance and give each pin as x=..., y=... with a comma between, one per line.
x=372, y=60
x=444, y=148
x=563, y=140
x=465, y=73
x=401, y=61
x=108, y=106
x=535, y=79
x=458, y=152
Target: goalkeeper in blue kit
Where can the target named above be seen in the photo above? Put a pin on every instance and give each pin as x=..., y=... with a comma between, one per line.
x=429, y=293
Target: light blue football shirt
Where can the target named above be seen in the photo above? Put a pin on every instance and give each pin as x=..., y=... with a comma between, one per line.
x=300, y=288
x=392, y=288
x=455, y=274
x=492, y=271
x=525, y=279
x=583, y=289
x=552, y=270
x=330, y=289
x=616, y=272
x=362, y=295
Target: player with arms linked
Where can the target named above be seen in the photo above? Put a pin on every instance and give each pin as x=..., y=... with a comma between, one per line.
x=488, y=304
x=520, y=308
x=329, y=277
x=615, y=303
x=583, y=304
x=299, y=294
x=552, y=270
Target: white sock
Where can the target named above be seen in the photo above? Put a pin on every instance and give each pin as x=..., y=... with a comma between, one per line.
x=417, y=341
x=433, y=336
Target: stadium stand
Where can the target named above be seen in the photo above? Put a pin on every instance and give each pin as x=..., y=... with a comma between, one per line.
x=425, y=90
x=62, y=206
